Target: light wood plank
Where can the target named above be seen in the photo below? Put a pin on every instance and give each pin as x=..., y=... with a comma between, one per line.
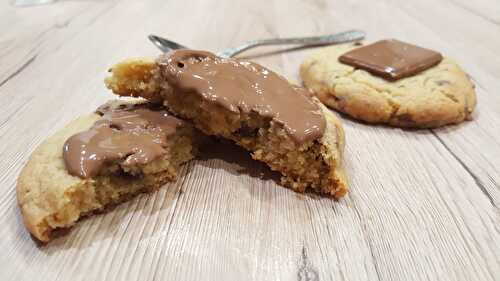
x=415, y=211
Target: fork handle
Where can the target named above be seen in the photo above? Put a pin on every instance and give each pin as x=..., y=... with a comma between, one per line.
x=343, y=37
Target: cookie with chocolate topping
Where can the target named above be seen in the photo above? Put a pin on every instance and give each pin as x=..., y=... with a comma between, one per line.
x=390, y=82
x=279, y=123
x=101, y=159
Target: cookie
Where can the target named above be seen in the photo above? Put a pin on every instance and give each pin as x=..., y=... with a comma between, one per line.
x=51, y=198
x=440, y=95
x=279, y=123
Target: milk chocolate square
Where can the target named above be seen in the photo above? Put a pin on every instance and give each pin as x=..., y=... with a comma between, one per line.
x=391, y=59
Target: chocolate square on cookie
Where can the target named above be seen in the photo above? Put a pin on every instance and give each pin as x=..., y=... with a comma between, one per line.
x=391, y=59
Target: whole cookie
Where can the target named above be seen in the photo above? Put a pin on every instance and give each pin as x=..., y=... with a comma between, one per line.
x=441, y=95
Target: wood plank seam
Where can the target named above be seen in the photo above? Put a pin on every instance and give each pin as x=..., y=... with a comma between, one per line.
x=475, y=243
x=461, y=233
x=39, y=37
x=476, y=179
x=19, y=70
x=465, y=8
x=56, y=26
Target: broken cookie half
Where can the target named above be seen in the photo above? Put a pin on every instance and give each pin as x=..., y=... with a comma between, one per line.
x=102, y=159
x=279, y=123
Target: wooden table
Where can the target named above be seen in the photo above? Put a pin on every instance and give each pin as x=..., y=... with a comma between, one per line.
x=423, y=205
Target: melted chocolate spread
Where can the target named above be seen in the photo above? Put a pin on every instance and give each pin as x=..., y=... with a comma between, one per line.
x=132, y=134
x=242, y=86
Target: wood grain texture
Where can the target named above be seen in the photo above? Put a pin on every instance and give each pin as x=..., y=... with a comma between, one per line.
x=423, y=205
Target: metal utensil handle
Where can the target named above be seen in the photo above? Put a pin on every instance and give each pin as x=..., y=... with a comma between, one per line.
x=343, y=37
x=332, y=38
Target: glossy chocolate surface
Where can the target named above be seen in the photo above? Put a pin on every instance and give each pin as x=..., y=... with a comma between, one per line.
x=242, y=86
x=128, y=134
x=391, y=59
